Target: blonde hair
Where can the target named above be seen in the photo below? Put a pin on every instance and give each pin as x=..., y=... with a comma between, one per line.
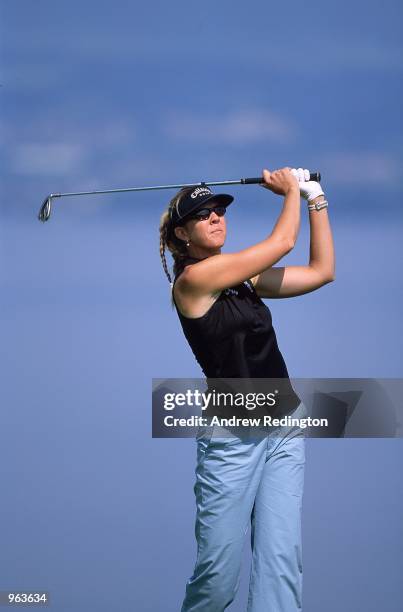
x=168, y=239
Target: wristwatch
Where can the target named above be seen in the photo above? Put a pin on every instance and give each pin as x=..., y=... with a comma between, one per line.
x=318, y=205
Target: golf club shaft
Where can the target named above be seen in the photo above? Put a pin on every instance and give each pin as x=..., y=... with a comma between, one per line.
x=45, y=210
x=245, y=181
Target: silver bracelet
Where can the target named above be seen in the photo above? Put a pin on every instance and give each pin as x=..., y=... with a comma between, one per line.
x=318, y=205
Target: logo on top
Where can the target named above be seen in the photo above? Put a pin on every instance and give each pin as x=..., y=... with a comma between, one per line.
x=200, y=191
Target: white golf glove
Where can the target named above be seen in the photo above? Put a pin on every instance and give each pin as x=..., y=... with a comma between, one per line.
x=309, y=190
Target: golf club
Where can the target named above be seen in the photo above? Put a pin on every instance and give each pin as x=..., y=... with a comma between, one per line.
x=46, y=207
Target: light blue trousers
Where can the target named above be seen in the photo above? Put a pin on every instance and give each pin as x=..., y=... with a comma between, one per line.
x=243, y=480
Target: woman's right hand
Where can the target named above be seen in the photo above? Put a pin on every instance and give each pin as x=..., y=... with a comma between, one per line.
x=280, y=181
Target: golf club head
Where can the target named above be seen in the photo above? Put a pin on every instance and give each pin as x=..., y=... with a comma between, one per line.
x=46, y=209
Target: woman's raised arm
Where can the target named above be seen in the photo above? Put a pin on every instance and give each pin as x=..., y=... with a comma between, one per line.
x=290, y=281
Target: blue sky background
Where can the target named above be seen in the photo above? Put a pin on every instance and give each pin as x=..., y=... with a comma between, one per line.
x=117, y=94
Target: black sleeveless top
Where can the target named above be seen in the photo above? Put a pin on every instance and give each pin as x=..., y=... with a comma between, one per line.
x=235, y=338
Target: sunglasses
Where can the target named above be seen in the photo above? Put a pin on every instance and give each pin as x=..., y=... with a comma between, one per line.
x=204, y=213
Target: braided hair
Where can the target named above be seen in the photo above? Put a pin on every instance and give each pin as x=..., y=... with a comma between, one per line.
x=169, y=240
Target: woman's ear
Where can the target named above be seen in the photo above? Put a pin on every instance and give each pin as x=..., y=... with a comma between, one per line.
x=181, y=233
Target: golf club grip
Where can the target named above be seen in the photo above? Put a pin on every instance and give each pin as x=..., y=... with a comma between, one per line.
x=314, y=176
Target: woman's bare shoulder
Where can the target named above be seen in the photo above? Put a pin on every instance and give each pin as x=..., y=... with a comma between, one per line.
x=190, y=304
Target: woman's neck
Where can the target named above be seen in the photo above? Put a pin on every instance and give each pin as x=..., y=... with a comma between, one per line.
x=203, y=254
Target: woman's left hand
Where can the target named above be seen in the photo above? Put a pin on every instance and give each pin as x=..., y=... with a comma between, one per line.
x=309, y=190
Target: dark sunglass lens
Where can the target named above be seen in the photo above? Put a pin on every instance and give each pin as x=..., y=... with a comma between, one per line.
x=204, y=213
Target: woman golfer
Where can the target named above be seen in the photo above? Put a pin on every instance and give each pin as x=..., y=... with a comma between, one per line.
x=245, y=481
